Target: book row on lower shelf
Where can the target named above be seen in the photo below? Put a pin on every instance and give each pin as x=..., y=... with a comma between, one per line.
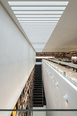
x=25, y=100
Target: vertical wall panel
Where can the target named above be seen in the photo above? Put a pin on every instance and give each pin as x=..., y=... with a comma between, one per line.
x=17, y=59
x=54, y=95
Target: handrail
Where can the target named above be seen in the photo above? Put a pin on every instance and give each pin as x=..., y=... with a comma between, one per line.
x=65, y=63
x=38, y=110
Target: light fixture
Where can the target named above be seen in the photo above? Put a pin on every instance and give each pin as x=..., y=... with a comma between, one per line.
x=37, y=16
x=66, y=97
x=24, y=27
x=35, y=19
x=57, y=84
x=38, y=21
x=38, y=25
x=57, y=3
x=38, y=12
x=49, y=73
x=38, y=8
x=52, y=76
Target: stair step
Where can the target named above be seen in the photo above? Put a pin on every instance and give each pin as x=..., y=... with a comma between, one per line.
x=39, y=102
x=37, y=85
x=37, y=93
x=37, y=105
x=37, y=88
x=37, y=99
x=38, y=82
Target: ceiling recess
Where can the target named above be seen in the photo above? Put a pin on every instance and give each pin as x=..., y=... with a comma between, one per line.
x=38, y=19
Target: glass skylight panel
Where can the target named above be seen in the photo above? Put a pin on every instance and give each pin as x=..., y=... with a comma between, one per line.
x=37, y=16
x=39, y=24
x=38, y=28
x=24, y=19
x=62, y=3
x=38, y=21
x=38, y=8
x=38, y=12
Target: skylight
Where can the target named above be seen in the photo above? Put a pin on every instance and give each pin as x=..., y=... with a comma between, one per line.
x=37, y=16
x=29, y=19
x=56, y=3
x=38, y=8
x=38, y=19
x=38, y=12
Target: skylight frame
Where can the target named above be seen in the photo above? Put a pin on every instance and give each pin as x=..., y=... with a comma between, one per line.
x=38, y=12
x=37, y=16
x=62, y=3
x=35, y=19
x=38, y=8
x=38, y=21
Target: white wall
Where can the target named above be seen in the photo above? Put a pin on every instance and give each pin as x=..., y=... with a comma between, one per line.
x=54, y=95
x=17, y=59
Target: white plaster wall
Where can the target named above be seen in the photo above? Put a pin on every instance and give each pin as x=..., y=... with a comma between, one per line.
x=17, y=59
x=54, y=95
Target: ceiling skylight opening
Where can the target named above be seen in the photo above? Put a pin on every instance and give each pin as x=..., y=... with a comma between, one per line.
x=38, y=25
x=38, y=21
x=37, y=16
x=29, y=19
x=28, y=30
x=38, y=12
x=38, y=8
x=62, y=3
x=37, y=45
x=52, y=27
x=38, y=28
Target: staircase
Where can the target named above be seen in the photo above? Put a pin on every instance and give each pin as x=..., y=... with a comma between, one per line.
x=38, y=87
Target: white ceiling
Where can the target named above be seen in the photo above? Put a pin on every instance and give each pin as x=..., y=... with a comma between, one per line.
x=49, y=26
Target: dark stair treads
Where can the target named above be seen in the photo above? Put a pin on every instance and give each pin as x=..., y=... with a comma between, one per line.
x=37, y=105
x=38, y=91
x=38, y=87
x=37, y=102
x=37, y=96
x=39, y=99
x=38, y=84
x=35, y=81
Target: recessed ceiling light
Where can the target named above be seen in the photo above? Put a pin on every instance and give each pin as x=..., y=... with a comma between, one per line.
x=38, y=3
x=38, y=8
x=29, y=19
x=38, y=12
x=38, y=21
x=38, y=16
